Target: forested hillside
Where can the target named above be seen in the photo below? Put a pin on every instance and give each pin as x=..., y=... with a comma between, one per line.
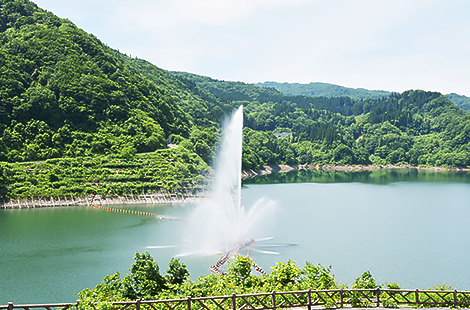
x=412, y=128
x=66, y=95
x=331, y=90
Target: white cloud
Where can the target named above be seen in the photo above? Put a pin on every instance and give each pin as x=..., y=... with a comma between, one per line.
x=379, y=44
x=216, y=12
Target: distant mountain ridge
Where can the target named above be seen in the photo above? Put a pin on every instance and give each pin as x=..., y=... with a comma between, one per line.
x=318, y=89
x=462, y=102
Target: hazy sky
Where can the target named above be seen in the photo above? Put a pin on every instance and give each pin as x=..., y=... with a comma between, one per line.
x=390, y=45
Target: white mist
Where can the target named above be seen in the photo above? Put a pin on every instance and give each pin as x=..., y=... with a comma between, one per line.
x=220, y=223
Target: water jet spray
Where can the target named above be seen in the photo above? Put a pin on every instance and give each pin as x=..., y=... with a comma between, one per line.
x=220, y=223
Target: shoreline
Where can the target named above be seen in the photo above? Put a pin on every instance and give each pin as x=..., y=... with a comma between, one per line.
x=48, y=202
x=101, y=201
x=286, y=168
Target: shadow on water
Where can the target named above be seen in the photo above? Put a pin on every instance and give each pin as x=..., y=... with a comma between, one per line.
x=380, y=176
x=56, y=252
x=142, y=222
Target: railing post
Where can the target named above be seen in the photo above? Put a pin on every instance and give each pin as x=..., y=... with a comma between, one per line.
x=377, y=295
x=341, y=298
x=137, y=304
x=455, y=298
x=417, y=297
x=234, y=301
x=188, y=303
x=273, y=296
x=10, y=306
x=309, y=299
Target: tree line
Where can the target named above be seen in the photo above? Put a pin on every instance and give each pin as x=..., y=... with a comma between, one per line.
x=145, y=281
x=330, y=90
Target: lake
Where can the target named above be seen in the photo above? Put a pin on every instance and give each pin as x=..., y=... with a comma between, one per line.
x=405, y=226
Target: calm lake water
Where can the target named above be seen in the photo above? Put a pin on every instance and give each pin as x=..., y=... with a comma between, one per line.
x=405, y=226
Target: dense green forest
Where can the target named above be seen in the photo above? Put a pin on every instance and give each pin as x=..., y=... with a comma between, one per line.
x=66, y=95
x=412, y=128
x=331, y=90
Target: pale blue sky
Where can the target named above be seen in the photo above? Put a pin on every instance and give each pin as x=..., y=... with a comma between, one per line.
x=390, y=45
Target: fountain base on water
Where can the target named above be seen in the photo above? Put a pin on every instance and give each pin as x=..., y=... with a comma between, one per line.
x=216, y=267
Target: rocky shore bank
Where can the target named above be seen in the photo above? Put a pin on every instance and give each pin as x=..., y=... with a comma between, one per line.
x=100, y=200
x=286, y=168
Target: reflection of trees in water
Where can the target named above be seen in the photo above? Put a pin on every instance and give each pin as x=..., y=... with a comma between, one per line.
x=379, y=176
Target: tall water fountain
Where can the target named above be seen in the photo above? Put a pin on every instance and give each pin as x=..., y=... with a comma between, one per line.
x=221, y=223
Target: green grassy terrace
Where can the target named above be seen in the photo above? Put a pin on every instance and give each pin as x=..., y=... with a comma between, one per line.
x=166, y=170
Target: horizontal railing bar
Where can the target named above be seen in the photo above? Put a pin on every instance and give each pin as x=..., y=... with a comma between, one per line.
x=160, y=301
x=255, y=294
x=209, y=297
x=40, y=305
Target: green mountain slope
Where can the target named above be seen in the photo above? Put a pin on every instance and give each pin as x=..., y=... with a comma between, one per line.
x=231, y=91
x=324, y=90
x=415, y=127
x=65, y=93
x=462, y=102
